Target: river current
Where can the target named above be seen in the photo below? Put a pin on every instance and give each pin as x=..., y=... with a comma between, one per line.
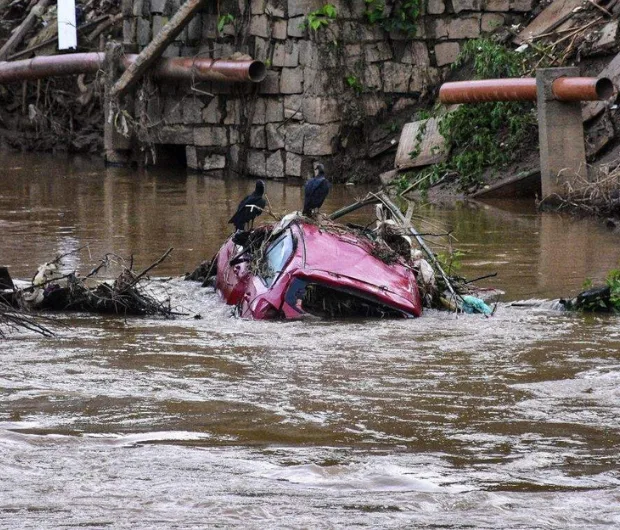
x=215, y=422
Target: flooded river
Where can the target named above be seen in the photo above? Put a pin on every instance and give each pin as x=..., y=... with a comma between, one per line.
x=440, y=422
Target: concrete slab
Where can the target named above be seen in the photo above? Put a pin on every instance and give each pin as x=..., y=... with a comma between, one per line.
x=421, y=137
x=524, y=185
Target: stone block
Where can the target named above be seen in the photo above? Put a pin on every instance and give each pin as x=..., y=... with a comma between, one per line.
x=435, y=7
x=191, y=109
x=521, y=6
x=373, y=104
x=294, y=138
x=194, y=29
x=233, y=136
x=436, y=28
x=257, y=7
x=210, y=136
x=378, y=51
x=353, y=52
x=320, y=140
x=279, y=30
x=143, y=31
x=274, y=110
x=223, y=50
x=416, y=53
x=159, y=7
x=275, y=9
x=173, y=50
x=234, y=157
x=355, y=32
x=211, y=162
x=291, y=81
x=317, y=56
x=497, y=5
x=466, y=5
x=261, y=49
x=418, y=82
x=321, y=110
x=140, y=8
x=303, y=7
x=259, y=26
x=490, y=22
x=464, y=28
x=209, y=27
x=286, y=54
x=293, y=165
x=258, y=139
x=292, y=107
x=256, y=164
x=274, y=166
x=158, y=23
x=396, y=77
x=191, y=158
x=372, y=77
x=175, y=135
x=446, y=53
x=275, y=138
x=259, y=111
x=233, y=112
x=271, y=83
x=129, y=30
x=172, y=110
x=295, y=27
x=212, y=113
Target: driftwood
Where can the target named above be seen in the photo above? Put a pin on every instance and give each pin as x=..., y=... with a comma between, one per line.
x=106, y=21
x=396, y=213
x=156, y=47
x=20, y=33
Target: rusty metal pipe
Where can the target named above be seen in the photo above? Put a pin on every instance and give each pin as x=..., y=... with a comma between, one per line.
x=177, y=68
x=524, y=89
x=582, y=88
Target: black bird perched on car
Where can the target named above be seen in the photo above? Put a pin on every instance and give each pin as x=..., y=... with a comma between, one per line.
x=250, y=207
x=315, y=191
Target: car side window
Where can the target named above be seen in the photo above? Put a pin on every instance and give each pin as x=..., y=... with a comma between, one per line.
x=276, y=257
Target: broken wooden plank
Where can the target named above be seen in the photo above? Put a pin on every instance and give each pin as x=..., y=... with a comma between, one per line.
x=422, y=138
x=551, y=18
x=156, y=47
x=20, y=33
x=592, y=109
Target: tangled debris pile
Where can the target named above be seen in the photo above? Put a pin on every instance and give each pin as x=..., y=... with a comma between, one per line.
x=54, y=113
x=54, y=290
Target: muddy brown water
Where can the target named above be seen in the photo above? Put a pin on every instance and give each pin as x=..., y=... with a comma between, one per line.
x=440, y=422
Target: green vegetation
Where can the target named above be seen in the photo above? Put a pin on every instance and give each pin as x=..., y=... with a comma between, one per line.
x=321, y=17
x=403, y=16
x=613, y=282
x=354, y=83
x=224, y=20
x=484, y=135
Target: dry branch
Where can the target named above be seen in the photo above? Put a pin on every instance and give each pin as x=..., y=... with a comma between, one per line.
x=18, y=35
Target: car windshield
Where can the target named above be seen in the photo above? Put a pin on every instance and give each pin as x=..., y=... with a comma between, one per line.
x=277, y=256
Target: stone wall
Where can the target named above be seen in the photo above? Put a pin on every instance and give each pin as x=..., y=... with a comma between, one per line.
x=319, y=86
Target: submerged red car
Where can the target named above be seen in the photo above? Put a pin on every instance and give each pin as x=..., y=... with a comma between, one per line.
x=297, y=268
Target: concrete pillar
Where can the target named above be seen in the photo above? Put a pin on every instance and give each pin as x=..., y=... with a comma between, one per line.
x=116, y=146
x=561, y=138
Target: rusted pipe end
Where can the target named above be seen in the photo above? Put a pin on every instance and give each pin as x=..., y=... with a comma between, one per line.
x=257, y=71
x=582, y=88
x=604, y=88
